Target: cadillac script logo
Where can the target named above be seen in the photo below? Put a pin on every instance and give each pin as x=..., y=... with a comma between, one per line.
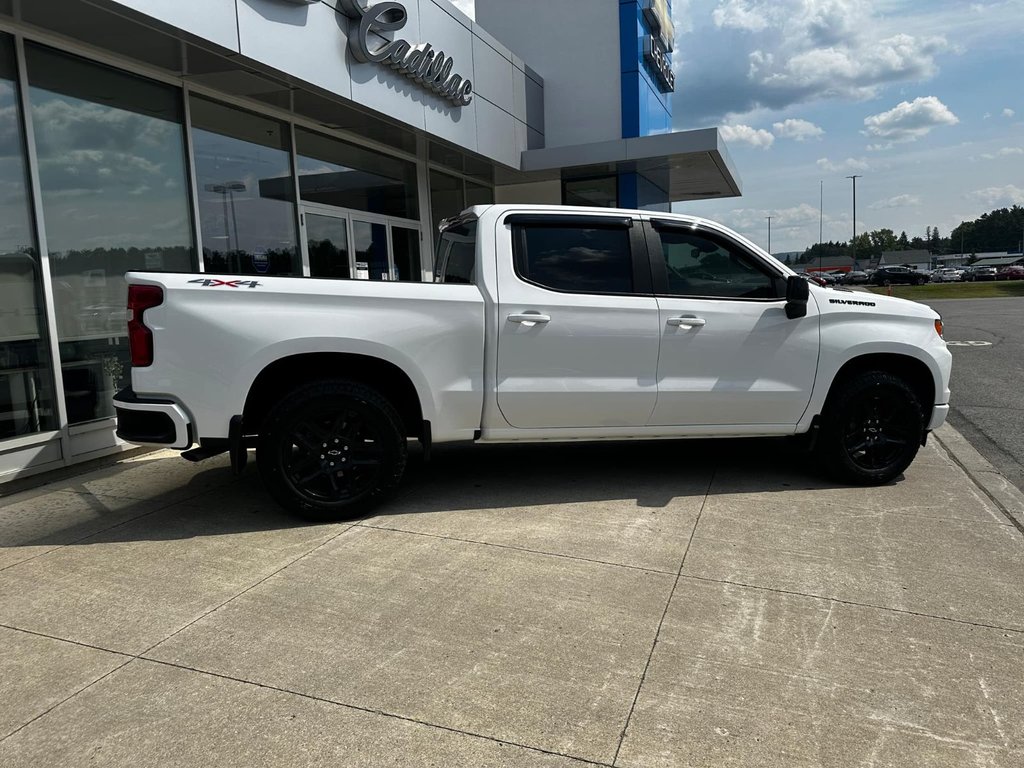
x=428, y=68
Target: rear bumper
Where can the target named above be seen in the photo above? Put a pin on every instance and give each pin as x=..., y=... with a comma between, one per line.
x=939, y=414
x=151, y=421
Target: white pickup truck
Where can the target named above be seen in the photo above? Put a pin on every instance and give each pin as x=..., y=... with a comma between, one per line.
x=543, y=324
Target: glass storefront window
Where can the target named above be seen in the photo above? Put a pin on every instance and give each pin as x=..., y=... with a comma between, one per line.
x=26, y=377
x=477, y=194
x=602, y=191
x=370, y=241
x=327, y=240
x=405, y=243
x=336, y=173
x=246, y=191
x=447, y=196
x=112, y=175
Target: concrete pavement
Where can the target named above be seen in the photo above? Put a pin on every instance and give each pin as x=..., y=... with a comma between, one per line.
x=657, y=604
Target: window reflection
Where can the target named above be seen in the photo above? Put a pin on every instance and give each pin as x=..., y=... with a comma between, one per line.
x=577, y=259
x=370, y=241
x=112, y=175
x=333, y=172
x=405, y=243
x=327, y=240
x=26, y=381
x=246, y=191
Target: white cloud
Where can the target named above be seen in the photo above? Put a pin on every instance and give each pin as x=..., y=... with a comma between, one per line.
x=773, y=54
x=879, y=147
x=1008, y=112
x=797, y=129
x=999, y=196
x=739, y=14
x=899, y=201
x=849, y=164
x=910, y=120
x=1004, y=152
x=744, y=134
x=752, y=220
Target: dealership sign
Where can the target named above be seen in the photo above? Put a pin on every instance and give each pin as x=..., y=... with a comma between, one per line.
x=658, y=45
x=430, y=69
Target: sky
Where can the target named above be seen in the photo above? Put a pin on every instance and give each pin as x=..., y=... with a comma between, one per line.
x=920, y=98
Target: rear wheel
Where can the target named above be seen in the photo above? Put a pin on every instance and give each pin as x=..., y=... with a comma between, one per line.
x=331, y=450
x=871, y=429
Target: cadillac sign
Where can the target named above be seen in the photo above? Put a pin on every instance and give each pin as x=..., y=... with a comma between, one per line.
x=430, y=69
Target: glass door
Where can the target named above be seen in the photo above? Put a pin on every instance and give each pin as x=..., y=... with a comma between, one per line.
x=343, y=244
x=370, y=243
x=327, y=244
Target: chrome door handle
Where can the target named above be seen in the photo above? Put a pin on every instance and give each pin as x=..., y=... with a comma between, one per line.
x=687, y=321
x=529, y=319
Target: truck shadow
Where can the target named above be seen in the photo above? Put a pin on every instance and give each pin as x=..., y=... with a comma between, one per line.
x=212, y=502
x=653, y=473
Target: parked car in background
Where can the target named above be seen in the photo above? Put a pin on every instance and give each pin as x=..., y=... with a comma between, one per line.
x=980, y=273
x=855, y=277
x=1012, y=272
x=898, y=276
x=947, y=275
x=817, y=280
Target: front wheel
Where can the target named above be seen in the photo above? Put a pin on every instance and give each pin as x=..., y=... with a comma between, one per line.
x=871, y=429
x=331, y=450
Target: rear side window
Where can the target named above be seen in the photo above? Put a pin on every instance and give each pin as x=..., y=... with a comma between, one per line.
x=574, y=258
x=456, y=261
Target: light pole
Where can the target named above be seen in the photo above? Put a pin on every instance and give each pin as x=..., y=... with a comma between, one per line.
x=853, y=243
x=227, y=190
x=769, y=233
x=821, y=217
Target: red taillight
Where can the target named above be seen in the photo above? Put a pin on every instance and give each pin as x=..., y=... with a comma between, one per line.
x=140, y=338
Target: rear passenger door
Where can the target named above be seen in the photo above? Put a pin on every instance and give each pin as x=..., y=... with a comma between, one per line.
x=578, y=328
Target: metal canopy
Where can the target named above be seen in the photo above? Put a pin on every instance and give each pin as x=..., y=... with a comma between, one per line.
x=689, y=165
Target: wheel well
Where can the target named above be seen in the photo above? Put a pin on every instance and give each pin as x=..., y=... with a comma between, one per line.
x=282, y=376
x=910, y=369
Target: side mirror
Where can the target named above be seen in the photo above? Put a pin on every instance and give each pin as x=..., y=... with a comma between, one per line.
x=797, y=293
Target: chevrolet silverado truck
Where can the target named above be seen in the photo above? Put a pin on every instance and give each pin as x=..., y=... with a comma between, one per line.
x=542, y=324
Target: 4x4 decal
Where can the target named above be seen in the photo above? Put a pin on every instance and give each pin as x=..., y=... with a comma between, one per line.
x=212, y=282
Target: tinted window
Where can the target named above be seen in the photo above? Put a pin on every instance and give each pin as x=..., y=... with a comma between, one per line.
x=337, y=173
x=579, y=259
x=26, y=382
x=111, y=154
x=458, y=249
x=246, y=191
x=699, y=266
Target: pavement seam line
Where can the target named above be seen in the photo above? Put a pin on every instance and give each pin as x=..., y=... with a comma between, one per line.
x=515, y=548
x=86, y=687
x=854, y=603
x=371, y=711
x=79, y=643
x=661, y=622
x=981, y=486
x=251, y=587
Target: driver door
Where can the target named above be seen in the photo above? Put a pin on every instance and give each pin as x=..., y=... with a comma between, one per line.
x=729, y=355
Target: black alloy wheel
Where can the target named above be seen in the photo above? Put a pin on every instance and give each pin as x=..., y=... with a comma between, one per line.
x=331, y=450
x=871, y=429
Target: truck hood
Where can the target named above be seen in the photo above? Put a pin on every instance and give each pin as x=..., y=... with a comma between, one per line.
x=831, y=300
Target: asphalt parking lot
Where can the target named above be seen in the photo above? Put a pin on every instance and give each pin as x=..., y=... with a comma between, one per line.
x=987, y=403
x=658, y=604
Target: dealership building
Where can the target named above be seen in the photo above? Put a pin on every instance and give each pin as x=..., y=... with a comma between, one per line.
x=304, y=138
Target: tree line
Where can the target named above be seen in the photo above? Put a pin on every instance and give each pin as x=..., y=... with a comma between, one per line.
x=998, y=230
